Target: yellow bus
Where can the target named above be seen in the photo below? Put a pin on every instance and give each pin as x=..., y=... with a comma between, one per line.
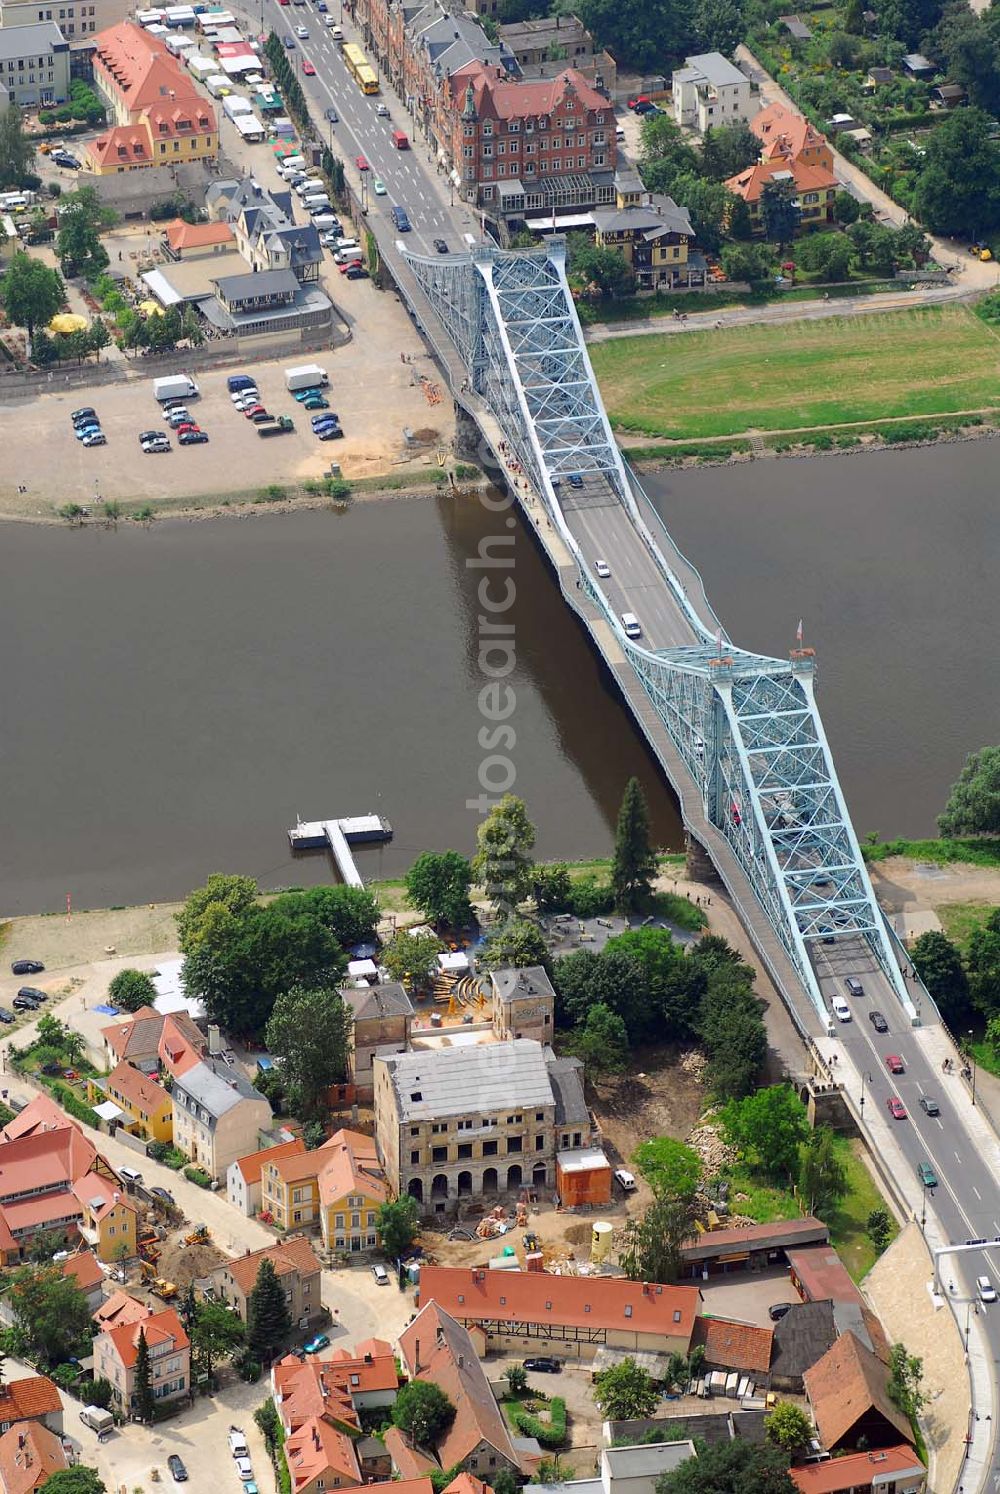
x=360, y=68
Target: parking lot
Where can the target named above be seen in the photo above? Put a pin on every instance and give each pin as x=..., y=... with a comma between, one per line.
x=746, y=1295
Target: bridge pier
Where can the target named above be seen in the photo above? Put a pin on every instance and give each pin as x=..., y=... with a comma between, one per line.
x=699, y=864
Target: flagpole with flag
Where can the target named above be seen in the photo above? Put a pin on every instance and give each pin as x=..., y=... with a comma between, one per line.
x=798, y=635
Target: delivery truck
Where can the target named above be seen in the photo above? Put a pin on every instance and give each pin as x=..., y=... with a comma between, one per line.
x=176, y=386
x=306, y=376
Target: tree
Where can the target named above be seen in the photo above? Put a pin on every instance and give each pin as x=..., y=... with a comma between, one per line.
x=973, y=806
x=269, y=1423
x=719, y=26
x=591, y=266
x=398, y=1224
x=788, y=1427
x=78, y=1480
x=637, y=35
x=708, y=204
x=828, y=254
x=904, y=1387
x=768, y=1128
x=652, y=1250
x=502, y=863
x=16, y=151
x=846, y=208
x=234, y=895
x=735, y=1467
x=269, y=1321
x=671, y=1169
x=879, y=1229
x=958, y=188
x=602, y=1042
x=779, y=213
x=412, y=958
x=730, y=148
x=614, y=978
x=740, y=222
x=350, y=914
x=50, y=1310
x=517, y=1382
x=673, y=985
x=626, y=1392
x=310, y=1031
x=553, y=888
x=438, y=884
x=131, y=989
x=751, y=262
x=822, y=1175
x=78, y=243
x=422, y=1411
x=938, y=963
x=516, y=942
x=32, y=293
x=142, y=1396
x=633, y=866
x=982, y=959
x=666, y=153
x=216, y=1334
x=734, y=1034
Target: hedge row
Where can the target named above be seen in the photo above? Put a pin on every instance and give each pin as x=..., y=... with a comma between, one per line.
x=551, y=1433
x=74, y=1107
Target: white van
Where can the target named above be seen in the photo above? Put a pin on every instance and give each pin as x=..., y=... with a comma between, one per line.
x=841, y=1010
x=346, y=251
x=625, y=1180
x=130, y=1175
x=99, y=1420
x=631, y=625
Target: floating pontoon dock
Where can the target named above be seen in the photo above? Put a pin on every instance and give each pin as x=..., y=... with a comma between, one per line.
x=338, y=836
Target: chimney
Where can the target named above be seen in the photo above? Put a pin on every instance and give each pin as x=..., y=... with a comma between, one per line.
x=416, y=1356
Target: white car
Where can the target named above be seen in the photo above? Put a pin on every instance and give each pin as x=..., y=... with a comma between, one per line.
x=96, y=438
x=602, y=568
x=245, y=1469
x=985, y=1289
x=242, y=397
x=382, y=110
x=302, y=32
x=381, y=1275
x=625, y=1180
x=841, y=1010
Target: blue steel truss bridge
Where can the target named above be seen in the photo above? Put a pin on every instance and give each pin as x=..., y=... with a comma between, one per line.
x=739, y=735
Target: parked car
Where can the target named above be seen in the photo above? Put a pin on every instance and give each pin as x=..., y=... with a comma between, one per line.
x=163, y=1193
x=878, y=1021
x=239, y=396
x=895, y=1064
x=192, y=438
x=929, y=1105
x=625, y=1180
x=896, y=1108
x=330, y=433
x=83, y=415
x=82, y=431
x=544, y=1366
x=317, y=402
x=26, y=967
x=156, y=448
x=33, y=992
x=6, y=1017
x=381, y=1275
x=94, y=438
x=177, y=1470
x=356, y=272
x=321, y=1341
x=244, y=1468
x=25, y=1004
x=349, y=264
x=927, y=1175
x=301, y=395
x=255, y=409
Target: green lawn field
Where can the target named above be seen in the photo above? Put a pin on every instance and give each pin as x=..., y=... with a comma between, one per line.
x=933, y=360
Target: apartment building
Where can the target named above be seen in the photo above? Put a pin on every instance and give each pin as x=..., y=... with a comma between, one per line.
x=457, y=1123
x=218, y=1116
x=78, y=22
x=243, y=1175
x=296, y=1267
x=116, y=1351
x=340, y=1185
x=34, y=62
x=146, y=1107
x=709, y=91
x=159, y=117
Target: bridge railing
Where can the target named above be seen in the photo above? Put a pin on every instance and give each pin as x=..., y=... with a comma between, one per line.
x=663, y=534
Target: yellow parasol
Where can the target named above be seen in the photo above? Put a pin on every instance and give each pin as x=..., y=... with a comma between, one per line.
x=68, y=321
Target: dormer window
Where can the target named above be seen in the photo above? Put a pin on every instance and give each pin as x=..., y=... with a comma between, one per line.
x=487, y=127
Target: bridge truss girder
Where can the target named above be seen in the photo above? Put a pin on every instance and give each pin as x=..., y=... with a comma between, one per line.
x=746, y=726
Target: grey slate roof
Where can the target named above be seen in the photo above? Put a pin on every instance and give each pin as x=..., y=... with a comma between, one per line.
x=470, y=1080
x=31, y=41
x=513, y=982
x=801, y=1338
x=711, y=67
x=748, y=1426
x=216, y=1087
x=263, y=283
x=567, y=1086
x=388, y=1000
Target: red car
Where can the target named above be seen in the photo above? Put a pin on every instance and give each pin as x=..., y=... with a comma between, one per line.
x=361, y=163
x=896, y=1108
x=894, y=1063
x=641, y=99
x=309, y=70
x=188, y=425
x=254, y=410
x=348, y=265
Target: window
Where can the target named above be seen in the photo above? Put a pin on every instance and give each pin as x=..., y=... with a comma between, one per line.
x=340, y=1221
x=628, y=1309
x=355, y=1221
x=539, y=1143
x=464, y=1150
x=514, y=127
x=514, y=1143
x=581, y=161
x=439, y=1154
x=598, y=161
x=414, y=1130
x=414, y=1159
x=371, y=1218
x=599, y=118
x=487, y=152
x=489, y=1148
x=297, y=1216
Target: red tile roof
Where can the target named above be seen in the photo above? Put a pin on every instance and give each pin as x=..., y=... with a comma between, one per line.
x=30, y=1398
x=250, y=1166
x=349, y=1164
x=606, y=1302
x=85, y=1270
x=182, y=1044
x=783, y=132
x=139, y=1090
x=402, y=1486
x=318, y=1450
x=856, y=1471
x=435, y=1347
x=848, y=1383
x=160, y=1328
x=138, y=1035
x=286, y=1255
x=750, y=184
x=409, y=1462
x=734, y=1346
x=42, y=1114
x=29, y=1455
x=822, y=1275
x=44, y=1159
x=121, y=1308
x=467, y=1483
x=498, y=98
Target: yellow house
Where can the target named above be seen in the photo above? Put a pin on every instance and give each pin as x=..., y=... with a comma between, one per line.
x=109, y=1217
x=158, y=117
x=147, y=1105
x=341, y=1185
x=653, y=239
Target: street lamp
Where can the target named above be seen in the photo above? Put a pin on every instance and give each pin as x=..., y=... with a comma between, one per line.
x=864, y=1077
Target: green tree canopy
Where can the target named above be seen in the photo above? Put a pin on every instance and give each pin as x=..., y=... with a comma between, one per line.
x=728, y=149
x=131, y=989
x=552, y=888
x=633, y=866
x=50, y=1310
x=735, y=1467
x=982, y=958
x=591, y=266
x=503, y=864
x=143, y=1391
x=235, y=895
x=216, y=1334
x=674, y=985
x=750, y=262
x=412, y=958
x=779, y=213
x=939, y=964
x=601, y=1043
x=16, y=151
x=438, y=885
x=826, y=254
x=516, y=941
x=958, y=191
x=788, y=1427
x=269, y=1322
x=822, y=1174
x=720, y=27
x=350, y=914
x=879, y=1229
x=32, y=293
x=905, y=1385
x=310, y=1031
x=665, y=153
x=652, y=1249
x=671, y=1169
x=626, y=1392
x=422, y=1411
x=398, y=1223
x=973, y=806
x=638, y=35
x=78, y=1480
x=768, y=1128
